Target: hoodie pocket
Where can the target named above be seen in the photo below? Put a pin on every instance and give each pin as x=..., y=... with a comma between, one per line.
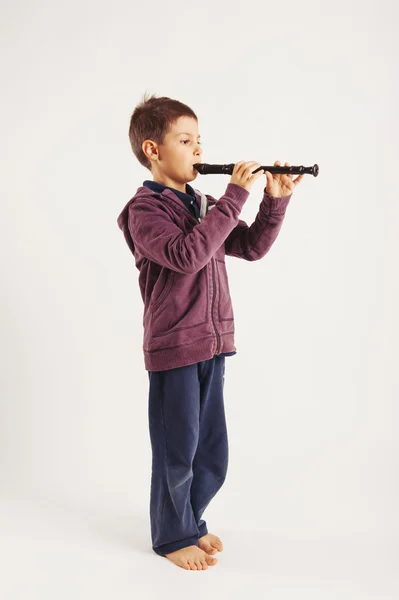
x=225, y=306
x=183, y=305
x=165, y=290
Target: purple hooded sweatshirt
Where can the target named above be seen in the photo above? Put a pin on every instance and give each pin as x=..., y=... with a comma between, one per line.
x=188, y=314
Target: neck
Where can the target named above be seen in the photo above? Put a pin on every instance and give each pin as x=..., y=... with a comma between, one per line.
x=164, y=180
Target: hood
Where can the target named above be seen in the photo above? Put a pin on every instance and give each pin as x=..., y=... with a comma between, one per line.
x=123, y=224
x=147, y=192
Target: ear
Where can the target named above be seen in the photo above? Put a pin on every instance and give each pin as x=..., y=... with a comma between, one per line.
x=149, y=148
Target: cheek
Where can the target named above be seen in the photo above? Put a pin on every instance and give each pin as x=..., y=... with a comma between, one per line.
x=185, y=153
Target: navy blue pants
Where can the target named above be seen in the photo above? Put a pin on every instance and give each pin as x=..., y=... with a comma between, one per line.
x=189, y=450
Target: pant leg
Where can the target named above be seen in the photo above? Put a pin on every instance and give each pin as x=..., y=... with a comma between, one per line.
x=211, y=458
x=173, y=412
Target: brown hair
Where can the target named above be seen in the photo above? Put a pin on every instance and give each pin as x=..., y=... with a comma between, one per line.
x=151, y=119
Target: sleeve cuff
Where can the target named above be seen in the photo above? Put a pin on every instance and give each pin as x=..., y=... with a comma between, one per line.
x=276, y=204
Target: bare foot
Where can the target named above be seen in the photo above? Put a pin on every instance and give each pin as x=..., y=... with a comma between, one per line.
x=210, y=543
x=191, y=558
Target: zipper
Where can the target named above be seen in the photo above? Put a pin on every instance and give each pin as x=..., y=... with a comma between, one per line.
x=214, y=286
x=213, y=300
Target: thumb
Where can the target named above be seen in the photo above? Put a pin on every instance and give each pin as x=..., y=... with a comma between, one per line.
x=269, y=180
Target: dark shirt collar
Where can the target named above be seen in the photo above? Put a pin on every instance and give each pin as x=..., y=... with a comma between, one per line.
x=159, y=187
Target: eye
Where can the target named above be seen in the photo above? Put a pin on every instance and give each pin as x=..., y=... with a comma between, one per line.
x=200, y=143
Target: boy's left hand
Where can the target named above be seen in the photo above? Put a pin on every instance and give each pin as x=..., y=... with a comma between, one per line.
x=281, y=184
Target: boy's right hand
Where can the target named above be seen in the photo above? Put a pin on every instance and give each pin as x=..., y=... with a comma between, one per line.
x=242, y=174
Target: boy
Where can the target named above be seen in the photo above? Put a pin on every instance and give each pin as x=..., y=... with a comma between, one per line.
x=179, y=238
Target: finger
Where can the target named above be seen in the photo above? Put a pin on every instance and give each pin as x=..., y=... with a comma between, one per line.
x=286, y=176
x=276, y=175
x=287, y=164
x=246, y=165
x=250, y=167
x=241, y=169
x=258, y=166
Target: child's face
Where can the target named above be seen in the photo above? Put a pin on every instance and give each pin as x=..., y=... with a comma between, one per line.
x=180, y=150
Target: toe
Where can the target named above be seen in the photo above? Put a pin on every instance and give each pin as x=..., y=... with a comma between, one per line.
x=206, y=547
x=217, y=543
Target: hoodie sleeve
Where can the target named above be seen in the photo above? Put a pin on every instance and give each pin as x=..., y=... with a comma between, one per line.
x=252, y=243
x=158, y=238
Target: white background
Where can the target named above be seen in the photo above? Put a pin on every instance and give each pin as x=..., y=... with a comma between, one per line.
x=308, y=506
